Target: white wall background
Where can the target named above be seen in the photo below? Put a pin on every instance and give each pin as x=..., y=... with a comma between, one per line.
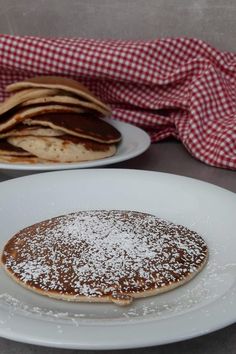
x=210, y=20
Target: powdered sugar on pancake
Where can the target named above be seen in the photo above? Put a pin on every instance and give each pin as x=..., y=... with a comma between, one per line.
x=104, y=253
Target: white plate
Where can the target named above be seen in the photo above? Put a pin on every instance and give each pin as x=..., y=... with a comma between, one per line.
x=203, y=305
x=134, y=142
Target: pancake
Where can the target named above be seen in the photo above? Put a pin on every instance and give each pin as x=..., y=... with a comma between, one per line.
x=104, y=256
x=65, y=100
x=23, y=130
x=61, y=83
x=26, y=160
x=8, y=149
x=84, y=125
x=9, y=120
x=65, y=148
x=24, y=95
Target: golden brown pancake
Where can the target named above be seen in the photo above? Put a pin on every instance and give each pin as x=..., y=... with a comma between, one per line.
x=65, y=148
x=8, y=149
x=24, y=130
x=104, y=256
x=84, y=125
x=16, y=155
x=61, y=83
x=24, y=95
x=26, y=160
x=10, y=119
x=65, y=100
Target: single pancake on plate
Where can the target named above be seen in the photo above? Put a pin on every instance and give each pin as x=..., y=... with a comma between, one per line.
x=104, y=256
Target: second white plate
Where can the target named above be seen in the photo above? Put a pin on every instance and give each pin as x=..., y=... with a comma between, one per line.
x=205, y=304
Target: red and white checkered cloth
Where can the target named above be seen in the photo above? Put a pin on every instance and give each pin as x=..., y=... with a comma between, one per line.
x=179, y=87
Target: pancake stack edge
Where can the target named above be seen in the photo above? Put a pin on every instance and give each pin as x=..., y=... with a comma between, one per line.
x=51, y=119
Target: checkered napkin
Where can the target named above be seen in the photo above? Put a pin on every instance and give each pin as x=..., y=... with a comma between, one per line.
x=180, y=88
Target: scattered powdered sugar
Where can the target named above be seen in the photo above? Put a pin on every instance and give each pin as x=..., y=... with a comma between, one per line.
x=101, y=253
x=212, y=284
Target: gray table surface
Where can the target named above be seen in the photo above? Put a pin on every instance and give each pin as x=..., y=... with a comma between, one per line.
x=170, y=157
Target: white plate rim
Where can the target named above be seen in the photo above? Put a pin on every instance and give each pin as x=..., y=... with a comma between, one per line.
x=150, y=326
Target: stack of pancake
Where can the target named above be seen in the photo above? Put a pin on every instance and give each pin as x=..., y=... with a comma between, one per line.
x=54, y=119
